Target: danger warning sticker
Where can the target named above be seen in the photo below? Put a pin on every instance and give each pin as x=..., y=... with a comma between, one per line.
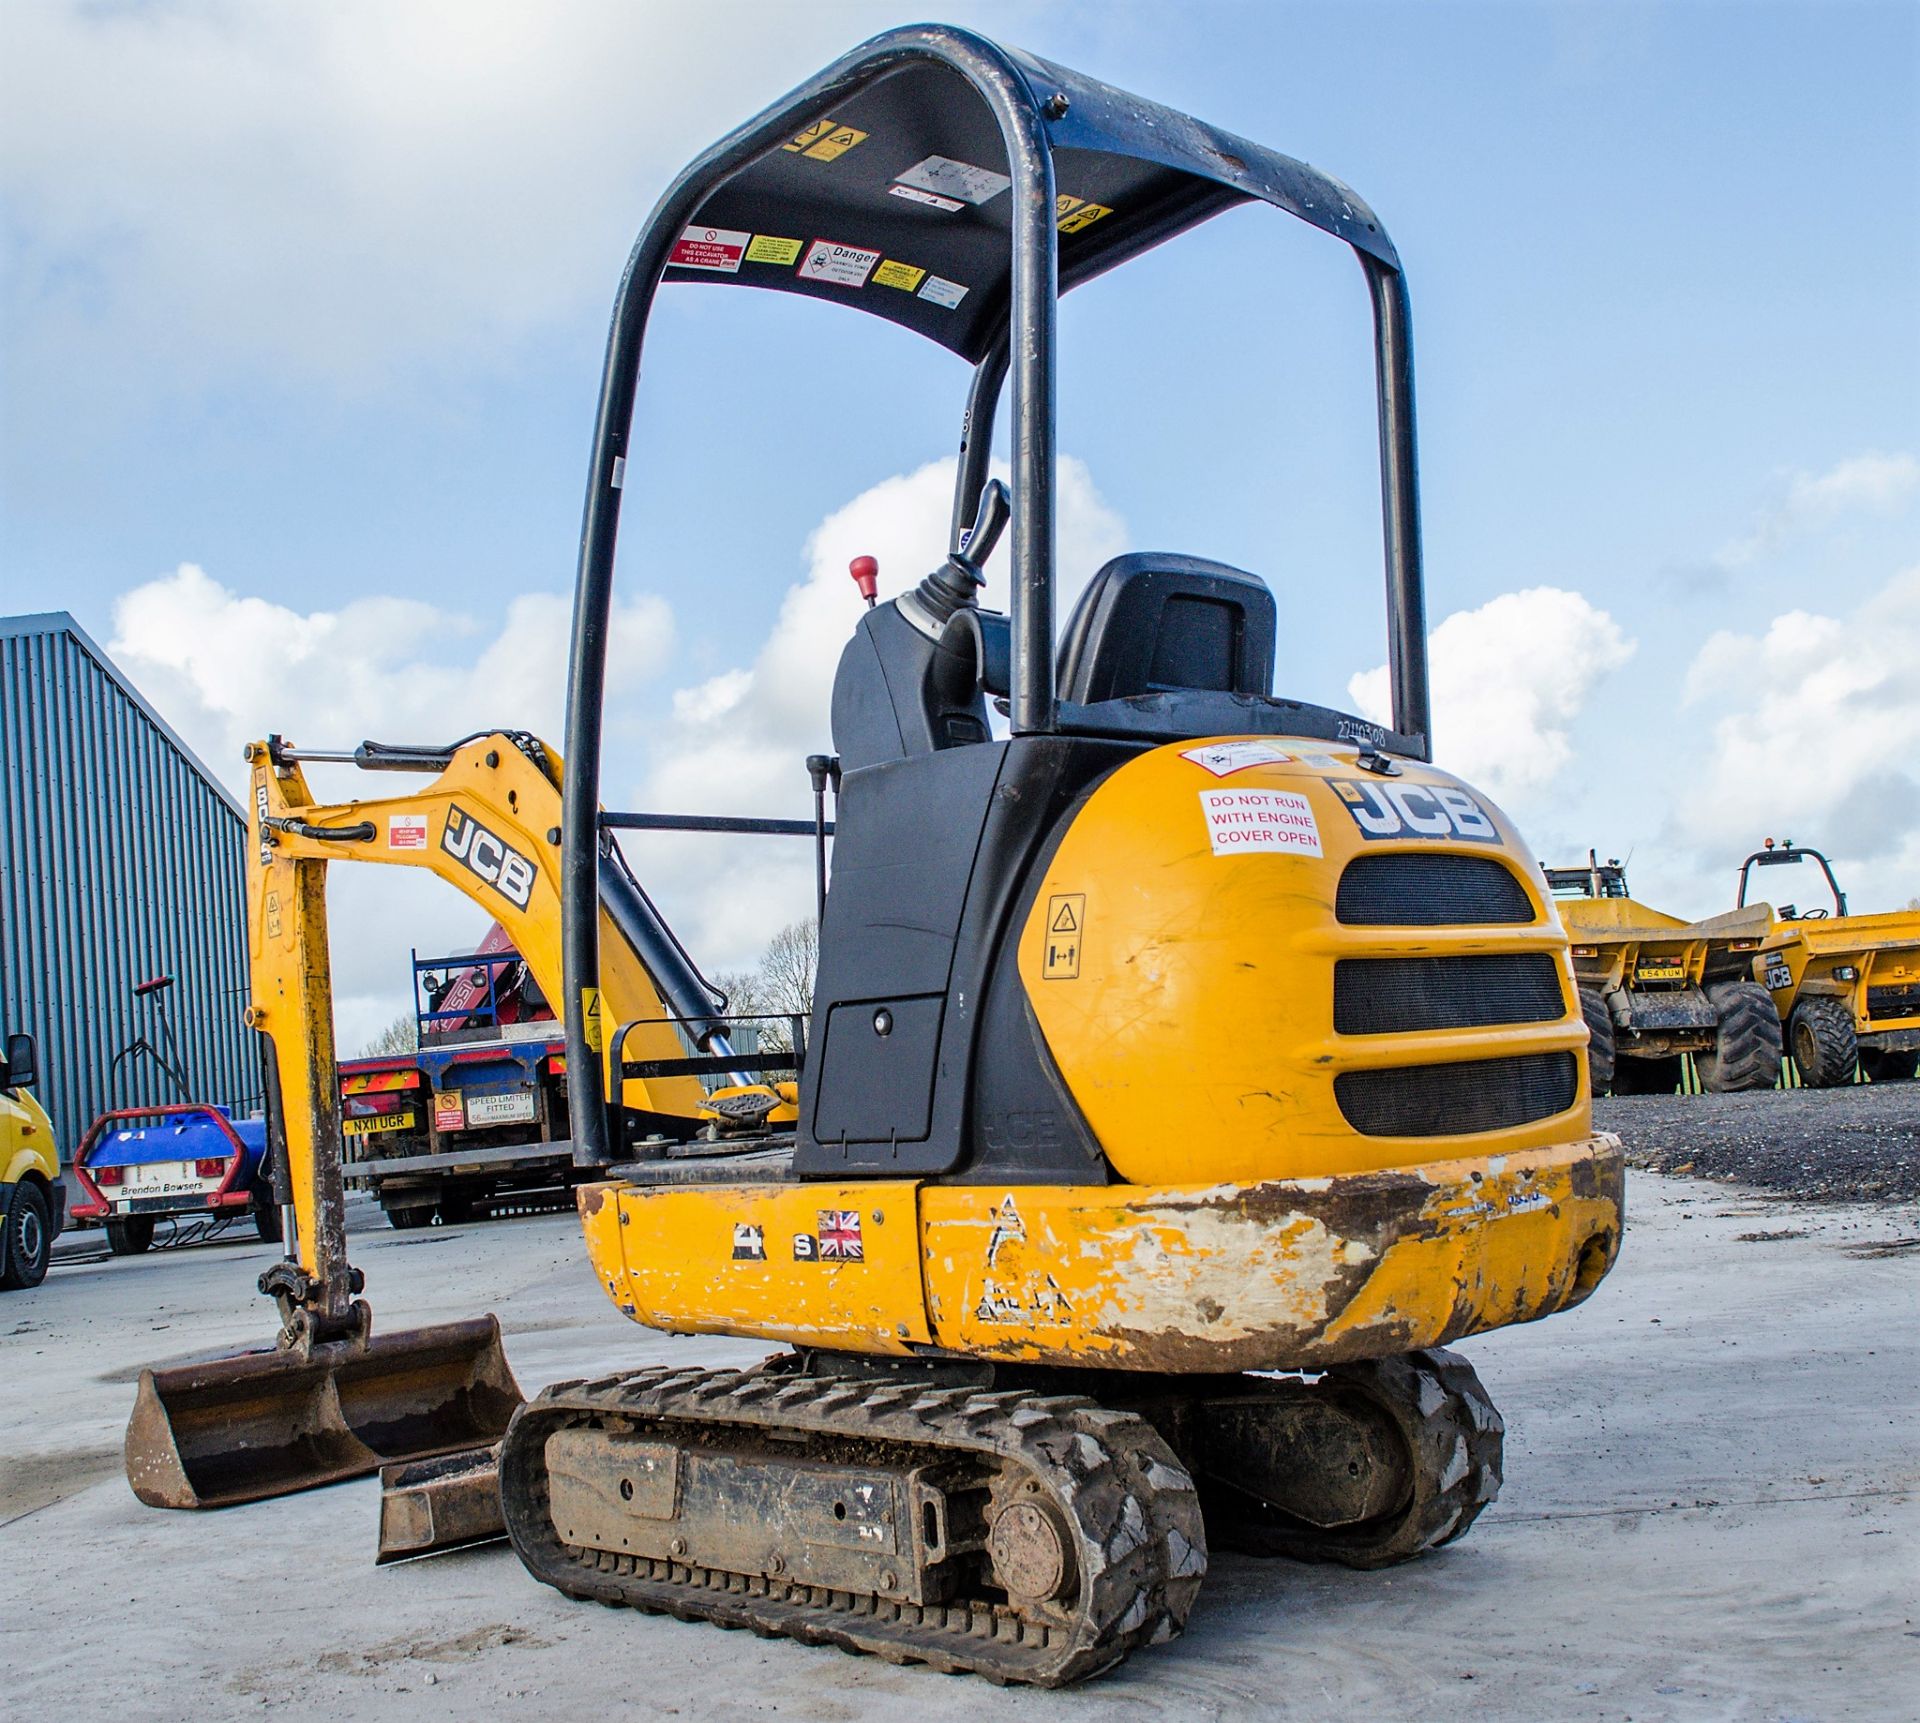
x=1076, y=213
x=406, y=831
x=950, y=178
x=942, y=292
x=717, y=248
x=839, y=265
x=932, y=199
x=902, y=275
x=1242, y=820
x=1066, y=918
x=1223, y=759
x=824, y=141
x=768, y=249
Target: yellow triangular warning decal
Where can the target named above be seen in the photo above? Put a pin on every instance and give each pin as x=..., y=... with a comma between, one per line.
x=1065, y=921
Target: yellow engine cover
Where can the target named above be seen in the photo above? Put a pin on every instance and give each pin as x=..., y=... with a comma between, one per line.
x=1179, y=951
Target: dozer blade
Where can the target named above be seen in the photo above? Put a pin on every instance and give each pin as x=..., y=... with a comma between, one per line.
x=268, y=1423
x=431, y=1505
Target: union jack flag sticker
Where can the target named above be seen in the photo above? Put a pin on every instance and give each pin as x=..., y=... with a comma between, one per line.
x=840, y=1236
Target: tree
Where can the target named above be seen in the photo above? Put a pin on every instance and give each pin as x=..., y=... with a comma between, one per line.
x=402, y=1035
x=742, y=988
x=787, y=969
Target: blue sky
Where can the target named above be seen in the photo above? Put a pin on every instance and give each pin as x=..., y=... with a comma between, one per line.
x=312, y=299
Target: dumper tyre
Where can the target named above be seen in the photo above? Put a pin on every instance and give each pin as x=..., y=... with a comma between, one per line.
x=1823, y=1042
x=406, y=1219
x=266, y=1221
x=1748, y=1044
x=131, y=1235
x=29, y=1238
x=1889, y=1065
x=1601, y=1053
x=1656, y=1076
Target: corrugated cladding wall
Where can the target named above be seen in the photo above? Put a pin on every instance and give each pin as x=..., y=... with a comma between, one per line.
x=121, y=858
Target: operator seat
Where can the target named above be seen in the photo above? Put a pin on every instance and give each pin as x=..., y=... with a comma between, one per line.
x=1151, y=622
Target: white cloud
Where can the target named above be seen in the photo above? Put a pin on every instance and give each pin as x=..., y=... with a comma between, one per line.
x=1869, y=483
x=227, y=669
x=1507, y=680
x=329, y=187
x=737, y=742
x=1811, y=729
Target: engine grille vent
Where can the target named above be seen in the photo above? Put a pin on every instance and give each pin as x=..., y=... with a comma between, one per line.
x=1893, y=1001
x=1410, y=889
x=1391, y=995
x=1453, y=1100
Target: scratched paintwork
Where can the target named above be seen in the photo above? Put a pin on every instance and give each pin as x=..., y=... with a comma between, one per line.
x=1279, y=1274
x=667, y=1258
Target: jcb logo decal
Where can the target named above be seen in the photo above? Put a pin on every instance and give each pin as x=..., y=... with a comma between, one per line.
x=1388, y=810
x=497, y=862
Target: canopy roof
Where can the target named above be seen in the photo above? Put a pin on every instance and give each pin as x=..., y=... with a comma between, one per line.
x=896, y=198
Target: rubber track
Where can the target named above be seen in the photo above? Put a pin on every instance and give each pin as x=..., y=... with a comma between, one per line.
x=1141, y=1547
x=1456, y=1438
x=1748, y=1046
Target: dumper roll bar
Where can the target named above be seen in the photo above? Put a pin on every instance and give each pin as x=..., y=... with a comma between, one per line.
x=1784, y=855
x=1180, y=171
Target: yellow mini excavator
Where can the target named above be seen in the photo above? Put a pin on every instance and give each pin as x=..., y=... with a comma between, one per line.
x=1189, y=1064
x=332, y=1399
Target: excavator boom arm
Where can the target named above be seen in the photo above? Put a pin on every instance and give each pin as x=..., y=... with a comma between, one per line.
x=488, y=823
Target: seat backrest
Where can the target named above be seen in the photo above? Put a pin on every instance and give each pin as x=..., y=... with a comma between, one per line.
x=1151, y=621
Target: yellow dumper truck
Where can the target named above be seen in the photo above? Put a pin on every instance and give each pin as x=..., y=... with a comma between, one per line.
x=33, y=1200
x=1847, y=987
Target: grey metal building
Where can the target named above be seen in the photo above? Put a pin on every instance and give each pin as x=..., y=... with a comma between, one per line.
x=121, y=859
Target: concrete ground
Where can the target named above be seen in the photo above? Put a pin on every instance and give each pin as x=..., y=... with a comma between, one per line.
x=1710, y=1512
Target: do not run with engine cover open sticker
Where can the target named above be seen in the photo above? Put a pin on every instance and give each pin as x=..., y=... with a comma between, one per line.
x=1242, y=821
x=1402, y=810
x=838, y=265
x=945, y=177
x=941, y=292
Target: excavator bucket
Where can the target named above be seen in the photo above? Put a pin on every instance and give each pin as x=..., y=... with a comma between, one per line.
x=440, y=1504
x=269, y=1422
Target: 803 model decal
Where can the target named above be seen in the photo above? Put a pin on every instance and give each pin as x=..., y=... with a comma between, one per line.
x=1390, y=810
x=494, y=859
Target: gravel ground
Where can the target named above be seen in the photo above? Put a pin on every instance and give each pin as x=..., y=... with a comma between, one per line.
x=1857, y=1144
